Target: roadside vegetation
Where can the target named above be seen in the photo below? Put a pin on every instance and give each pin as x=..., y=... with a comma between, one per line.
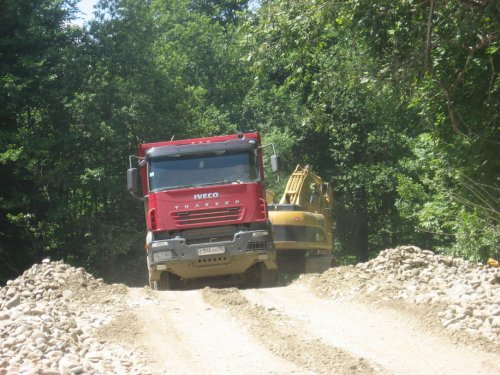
x=395, y=103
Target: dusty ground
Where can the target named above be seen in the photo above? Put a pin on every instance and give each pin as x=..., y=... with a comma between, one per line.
x=406, y=312
x=288, y=330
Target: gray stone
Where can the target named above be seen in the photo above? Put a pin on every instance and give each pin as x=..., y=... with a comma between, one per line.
x=13, y=302
x=495, y=322
x=4, y=315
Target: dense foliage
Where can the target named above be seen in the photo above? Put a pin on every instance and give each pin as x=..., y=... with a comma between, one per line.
x=395, y=103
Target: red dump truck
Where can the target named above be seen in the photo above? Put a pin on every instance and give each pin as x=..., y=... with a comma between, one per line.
x=206, y=212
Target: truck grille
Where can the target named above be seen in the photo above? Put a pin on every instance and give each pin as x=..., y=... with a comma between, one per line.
x=208, y=216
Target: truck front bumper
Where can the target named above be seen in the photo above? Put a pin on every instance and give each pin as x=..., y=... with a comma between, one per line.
x=209, y=259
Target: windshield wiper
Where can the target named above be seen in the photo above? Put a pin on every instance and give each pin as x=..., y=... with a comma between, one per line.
x=173, y=187
x=221, y=182
x=216, y=183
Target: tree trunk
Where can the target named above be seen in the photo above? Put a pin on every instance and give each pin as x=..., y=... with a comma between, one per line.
x=361, y=223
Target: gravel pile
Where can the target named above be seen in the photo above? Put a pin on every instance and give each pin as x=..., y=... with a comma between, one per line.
x=470, y=292
x=47, y=320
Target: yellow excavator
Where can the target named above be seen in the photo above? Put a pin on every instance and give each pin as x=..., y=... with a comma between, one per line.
x=302, y=224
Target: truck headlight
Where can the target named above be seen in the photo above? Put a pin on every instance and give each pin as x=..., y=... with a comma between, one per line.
x=157, y=244
x=262, y=233
x=160, y=256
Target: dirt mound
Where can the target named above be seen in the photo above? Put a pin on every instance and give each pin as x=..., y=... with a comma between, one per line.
x=47, y=319
x=462, y=296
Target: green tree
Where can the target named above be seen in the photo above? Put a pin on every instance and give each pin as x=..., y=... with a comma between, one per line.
x=221, y=11
x=446, y=56
x=39, y=69
x=157, y=70
x=306, y=56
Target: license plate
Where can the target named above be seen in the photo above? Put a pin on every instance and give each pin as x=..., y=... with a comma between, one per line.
x=211, y=250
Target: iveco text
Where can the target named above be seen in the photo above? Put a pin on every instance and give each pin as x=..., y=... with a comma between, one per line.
x=206, y=196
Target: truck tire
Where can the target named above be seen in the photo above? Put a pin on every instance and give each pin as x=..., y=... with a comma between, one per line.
x=164, y=283
x=267, y=277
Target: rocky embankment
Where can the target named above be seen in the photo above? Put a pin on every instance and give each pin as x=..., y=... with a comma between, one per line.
x=48, y=317
x=468, y=294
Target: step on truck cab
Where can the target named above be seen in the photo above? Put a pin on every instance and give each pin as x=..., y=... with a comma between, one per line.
x=206, y=212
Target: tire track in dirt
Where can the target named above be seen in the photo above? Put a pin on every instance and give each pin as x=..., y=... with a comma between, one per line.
x=393, y=340
x=286, y=337
x=179, y=333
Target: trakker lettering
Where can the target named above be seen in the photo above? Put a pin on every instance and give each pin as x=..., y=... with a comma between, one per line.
x=206, y=196
x=207, y=204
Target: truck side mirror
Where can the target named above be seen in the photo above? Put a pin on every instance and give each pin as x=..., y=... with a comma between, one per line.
x=324, y=187
x=275, y=165
x=132, y=180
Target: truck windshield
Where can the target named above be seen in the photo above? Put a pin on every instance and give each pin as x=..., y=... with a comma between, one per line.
x=174, y=172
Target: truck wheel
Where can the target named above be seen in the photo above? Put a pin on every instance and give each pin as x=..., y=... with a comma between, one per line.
x=164, y=283
x=267, y=277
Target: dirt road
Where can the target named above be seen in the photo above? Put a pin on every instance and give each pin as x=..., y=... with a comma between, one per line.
x=284, y=330
x=408, y=311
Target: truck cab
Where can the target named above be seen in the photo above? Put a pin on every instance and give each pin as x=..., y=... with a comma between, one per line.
x=206, y=213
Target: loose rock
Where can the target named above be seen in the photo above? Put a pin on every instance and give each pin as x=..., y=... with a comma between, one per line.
x=47, y=318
